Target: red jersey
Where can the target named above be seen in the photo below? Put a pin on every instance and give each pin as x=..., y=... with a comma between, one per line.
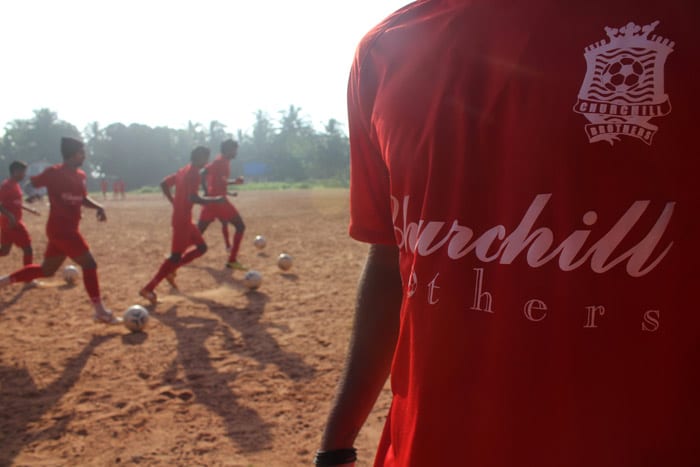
x=536, y=165
x=186, y=182
x=67, y=191
x=11, y=199
x=218, y=172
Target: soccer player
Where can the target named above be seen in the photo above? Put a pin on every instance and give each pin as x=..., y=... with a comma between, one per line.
x=12, y=228
x=187, y=243
x=215, y=182
x=526, y=174
x=67, y=192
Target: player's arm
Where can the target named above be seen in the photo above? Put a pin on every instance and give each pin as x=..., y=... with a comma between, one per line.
x=32, y=210
x=371, y=347
x=237, y=181
x=196, y=198
x=10, y=217
x=165, y=188
x=203, y=174
x=92, y=204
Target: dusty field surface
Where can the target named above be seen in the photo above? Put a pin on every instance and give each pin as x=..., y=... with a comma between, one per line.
x=221, y=376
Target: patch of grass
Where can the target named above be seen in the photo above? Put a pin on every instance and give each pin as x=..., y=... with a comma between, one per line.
x=148, y=189
x=303, y=185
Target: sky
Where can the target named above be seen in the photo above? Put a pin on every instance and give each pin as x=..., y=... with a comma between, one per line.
x=164, y=63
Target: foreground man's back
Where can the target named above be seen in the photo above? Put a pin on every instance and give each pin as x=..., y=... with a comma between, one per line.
x=536, y=164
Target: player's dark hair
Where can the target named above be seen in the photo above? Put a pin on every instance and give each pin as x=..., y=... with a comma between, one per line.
x=200, y=151
x=16, y=166
x=70, y=146
x=228, y=146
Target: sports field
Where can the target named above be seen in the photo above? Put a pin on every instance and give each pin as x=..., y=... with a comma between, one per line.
x=221, y=377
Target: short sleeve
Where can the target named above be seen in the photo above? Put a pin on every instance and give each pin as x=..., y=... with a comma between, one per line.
x=370, y=194
x=41, y=180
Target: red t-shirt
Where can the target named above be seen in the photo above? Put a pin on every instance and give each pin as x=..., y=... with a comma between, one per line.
x=186, y=182
x=536, y=163
x=10, y=199
x=218, y=172
x=66, y=189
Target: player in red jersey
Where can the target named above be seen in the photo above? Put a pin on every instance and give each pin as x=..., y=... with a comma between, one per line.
x=67, y=192
x=12, y=228
x=215, y=182
x=527, y=176
x=187, y=243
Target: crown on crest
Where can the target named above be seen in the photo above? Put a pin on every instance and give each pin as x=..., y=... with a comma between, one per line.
x=629, y=31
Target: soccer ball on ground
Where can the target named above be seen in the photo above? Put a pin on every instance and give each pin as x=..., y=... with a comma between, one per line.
x=259, y=242
x=284, y=262
x=71, y=274
x=135, y=318
x=252, y=280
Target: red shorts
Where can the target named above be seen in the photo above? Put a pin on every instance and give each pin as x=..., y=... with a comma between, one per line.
x=70, y=244
x=222, y=211
x=17, y=235
x=184, y=236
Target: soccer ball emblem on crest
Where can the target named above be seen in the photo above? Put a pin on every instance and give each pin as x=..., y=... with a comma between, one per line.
x=623, y=89
x=623, y=75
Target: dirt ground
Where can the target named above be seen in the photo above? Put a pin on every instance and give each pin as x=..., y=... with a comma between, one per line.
x=221, y=376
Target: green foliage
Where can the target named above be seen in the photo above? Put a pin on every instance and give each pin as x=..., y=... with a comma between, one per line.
x=36, y=139
x=282, y=153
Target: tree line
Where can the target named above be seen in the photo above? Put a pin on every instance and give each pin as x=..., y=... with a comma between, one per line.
x=285, y=149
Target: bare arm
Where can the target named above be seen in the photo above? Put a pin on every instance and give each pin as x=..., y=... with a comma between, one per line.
x=203, y=175
x=166, y=191
x=92, y=204
x=371, y=347
x=206, y=199
x=32, y=210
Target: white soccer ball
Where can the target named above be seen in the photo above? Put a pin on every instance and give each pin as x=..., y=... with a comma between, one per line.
x=252, y=280
x=135, y=318
x=71, y=274
x=259, y=242
x=284, y=262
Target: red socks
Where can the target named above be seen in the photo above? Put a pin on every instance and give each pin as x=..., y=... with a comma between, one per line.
x=237, y=237
x=166, y=268
x=27, y=274
x=92, y=286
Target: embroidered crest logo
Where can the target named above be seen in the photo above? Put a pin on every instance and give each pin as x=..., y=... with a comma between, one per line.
x=624, y=84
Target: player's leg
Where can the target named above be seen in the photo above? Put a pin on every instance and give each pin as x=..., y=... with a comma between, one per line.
x=225, y=233
x=24, y=241
x=200, y=247
x=53, y=258
x=239, y=225
x=6, y=241
x=202, y=225
x=77, y=249
x=180, y=242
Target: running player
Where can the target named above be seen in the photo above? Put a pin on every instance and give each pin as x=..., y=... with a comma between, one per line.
x=187, y=243
x=12, y=229
x=215, y=182
x=67, y=192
